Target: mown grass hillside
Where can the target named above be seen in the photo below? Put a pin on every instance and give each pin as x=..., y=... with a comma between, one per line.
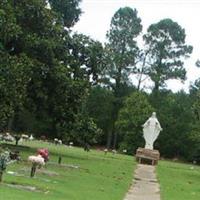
x=179, y=181
x=82, y=175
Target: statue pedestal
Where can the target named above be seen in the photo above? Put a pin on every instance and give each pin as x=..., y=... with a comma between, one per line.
x=147, y=156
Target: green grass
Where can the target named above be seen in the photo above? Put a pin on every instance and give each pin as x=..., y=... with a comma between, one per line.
x=179, y=181
x=98, y=176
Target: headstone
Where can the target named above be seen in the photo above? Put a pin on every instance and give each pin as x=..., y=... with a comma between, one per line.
x=105, y=151
x=31, y=137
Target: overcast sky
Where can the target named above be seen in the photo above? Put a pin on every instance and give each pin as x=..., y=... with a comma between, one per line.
x=97, y=14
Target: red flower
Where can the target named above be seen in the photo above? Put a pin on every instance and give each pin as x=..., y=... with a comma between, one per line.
x=44, y=153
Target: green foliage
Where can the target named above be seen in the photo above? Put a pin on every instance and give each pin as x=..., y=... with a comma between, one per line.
x=125, y=25
x=195, y=125
x=99, y=106
x=28, y=45
x=47, y=69
x=166, y=48
x=134, y=113
x=194, y=150
x=86, y=58
x=175, y=115
x=122, y=47
x=15, y=72
x=196, y=105
x=85, y=131
x=68, y=11
x=120, y=56
x=47, y=78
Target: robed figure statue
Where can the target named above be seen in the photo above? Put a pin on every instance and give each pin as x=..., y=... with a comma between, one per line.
x=151, y=130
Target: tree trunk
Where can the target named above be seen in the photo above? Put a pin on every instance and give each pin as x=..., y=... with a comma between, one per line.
x=156, y=87
x=1, y=176
x=10, y=123
x=109, y=139
x=115, y=140
x=139, y=83
x=54, y=129
x=141, y=73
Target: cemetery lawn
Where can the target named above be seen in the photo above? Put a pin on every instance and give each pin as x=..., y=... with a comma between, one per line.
x=179, y=181
x=82, y=175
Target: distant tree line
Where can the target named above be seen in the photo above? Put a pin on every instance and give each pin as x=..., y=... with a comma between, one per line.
x=62, y=84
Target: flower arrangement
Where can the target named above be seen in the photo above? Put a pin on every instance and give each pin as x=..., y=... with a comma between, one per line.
x=39, y=160
x=105, y=151
x=4, y=159
x=114, y=151
x=44, y=153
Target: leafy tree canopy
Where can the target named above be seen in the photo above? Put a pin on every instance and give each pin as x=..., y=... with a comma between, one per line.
x=122, y=47
x=68, y=11
x=134, y=113
x=166, y=48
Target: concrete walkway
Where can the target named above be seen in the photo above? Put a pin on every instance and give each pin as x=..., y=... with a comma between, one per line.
x=145, y=185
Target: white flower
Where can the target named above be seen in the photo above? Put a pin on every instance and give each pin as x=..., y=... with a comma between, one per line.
x=37, y=159
x=124, y=151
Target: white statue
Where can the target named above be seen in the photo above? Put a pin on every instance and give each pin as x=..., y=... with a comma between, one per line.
x=151, y=130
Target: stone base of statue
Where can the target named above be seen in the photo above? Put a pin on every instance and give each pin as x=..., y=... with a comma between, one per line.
x=147, y=156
